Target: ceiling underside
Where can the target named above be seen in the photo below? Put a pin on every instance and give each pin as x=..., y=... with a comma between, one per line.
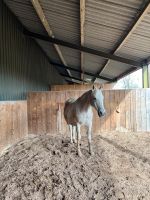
x=115, y=27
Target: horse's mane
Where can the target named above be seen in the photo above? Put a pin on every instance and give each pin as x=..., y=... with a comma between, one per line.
x=82, y=98
x=84, y=95
x=71, y=100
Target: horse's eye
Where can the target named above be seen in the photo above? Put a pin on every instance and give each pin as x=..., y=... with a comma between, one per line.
x=94, y=99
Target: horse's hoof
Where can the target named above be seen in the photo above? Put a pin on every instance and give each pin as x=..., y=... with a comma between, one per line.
x=91, y=153
x=74, y=141
x=80, y=154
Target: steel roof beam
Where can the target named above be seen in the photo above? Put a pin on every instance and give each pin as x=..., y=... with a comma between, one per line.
x=79, y=71
x=71, y=82
x=130, y=30
x=73, y=78
x=83, y=48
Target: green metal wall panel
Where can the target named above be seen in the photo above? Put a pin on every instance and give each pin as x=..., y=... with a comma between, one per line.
x=146, y=77
x=149, y=75
x=23, y=66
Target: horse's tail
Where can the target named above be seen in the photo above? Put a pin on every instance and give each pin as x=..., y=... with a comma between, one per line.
x=67, y=103
x=65, y=110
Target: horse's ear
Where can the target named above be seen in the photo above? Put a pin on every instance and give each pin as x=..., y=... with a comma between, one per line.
x=101, y=86
x=93, y=88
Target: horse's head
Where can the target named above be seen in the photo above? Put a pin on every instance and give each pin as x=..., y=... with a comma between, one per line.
x=97, y=100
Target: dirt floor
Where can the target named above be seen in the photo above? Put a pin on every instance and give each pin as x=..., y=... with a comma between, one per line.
x=47, y=168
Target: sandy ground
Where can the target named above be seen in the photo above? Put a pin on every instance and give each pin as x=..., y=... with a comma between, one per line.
x=47, y=168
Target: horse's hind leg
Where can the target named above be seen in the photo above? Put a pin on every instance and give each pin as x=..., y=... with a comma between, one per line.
x=71, y=132
x=78, y=140
x=74, y=134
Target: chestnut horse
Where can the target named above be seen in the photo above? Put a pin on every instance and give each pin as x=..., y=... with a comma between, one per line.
x=79, y=112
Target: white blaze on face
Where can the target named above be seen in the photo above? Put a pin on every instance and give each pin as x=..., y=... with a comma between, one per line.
x=98, y=100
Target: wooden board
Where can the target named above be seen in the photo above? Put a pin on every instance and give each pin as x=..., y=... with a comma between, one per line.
x=45, y=111
x=13, y=122
x=80, y=87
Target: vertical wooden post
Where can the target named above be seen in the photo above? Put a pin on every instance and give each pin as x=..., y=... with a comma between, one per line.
x=59, y=128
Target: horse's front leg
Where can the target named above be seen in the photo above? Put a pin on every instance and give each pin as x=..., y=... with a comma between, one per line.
x=78, y=139
x=71, y=130
x=89, y=135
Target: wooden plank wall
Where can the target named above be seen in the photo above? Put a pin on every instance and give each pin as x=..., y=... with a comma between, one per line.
x=80, y=87
x=45, y=111
x=13, y=122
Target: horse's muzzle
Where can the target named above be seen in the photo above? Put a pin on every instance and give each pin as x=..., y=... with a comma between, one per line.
x=101, y=114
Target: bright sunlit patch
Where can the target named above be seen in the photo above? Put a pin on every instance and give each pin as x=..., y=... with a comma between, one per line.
x=131, y=81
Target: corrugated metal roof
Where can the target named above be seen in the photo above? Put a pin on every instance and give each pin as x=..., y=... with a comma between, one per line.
x=25, y=12
x=138, y=44
x=50, y=51
x=72, y=58
x=92, y=63
x=63, y=16
x=115, y=69
x=106, y=21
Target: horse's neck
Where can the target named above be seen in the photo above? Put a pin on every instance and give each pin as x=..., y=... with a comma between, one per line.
x=84, y=101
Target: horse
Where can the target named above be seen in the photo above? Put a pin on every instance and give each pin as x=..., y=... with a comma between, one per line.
x=71, y=127
x=79, y=112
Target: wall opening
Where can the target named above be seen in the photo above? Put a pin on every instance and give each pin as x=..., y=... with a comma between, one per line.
x=132, y=81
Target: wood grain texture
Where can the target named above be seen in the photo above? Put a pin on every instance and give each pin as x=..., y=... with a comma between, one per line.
x=80, y=87
x=43, y=114
x=45, y=110
x=13, y=122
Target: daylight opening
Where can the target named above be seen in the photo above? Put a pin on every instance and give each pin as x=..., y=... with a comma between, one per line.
x=132, y=81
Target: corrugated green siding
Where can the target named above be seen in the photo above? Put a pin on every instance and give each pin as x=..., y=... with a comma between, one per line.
x=23, y=66
x=145, y=77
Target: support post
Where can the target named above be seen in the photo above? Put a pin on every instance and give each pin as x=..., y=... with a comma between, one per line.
x=146, y=76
